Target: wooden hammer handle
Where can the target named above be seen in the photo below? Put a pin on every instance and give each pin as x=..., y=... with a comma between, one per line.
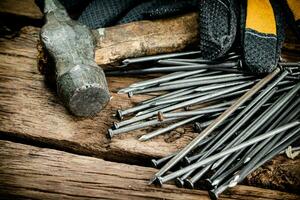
x=145, y=38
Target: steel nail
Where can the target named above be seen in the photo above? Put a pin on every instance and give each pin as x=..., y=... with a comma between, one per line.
x=285, y=114
x=156, y=108
x=217, y=86
x=252, y=128
x=172, y=175
x=214, y=193
x=190, y=84
x=172, y=62
x=162, y=79
x=220, y=67
x=158, y=57
x=139, y=126
x=234, y=125
x=170, y=95
x=163, y=130
x=218, y=177
x=179, y=98
x=157, y=162
x=238, y=121
x=184, y=104
x=202, y=78
x=257, y=163
x=190, y=182
x=121, y=113
x=187, y=60
x=215, y=124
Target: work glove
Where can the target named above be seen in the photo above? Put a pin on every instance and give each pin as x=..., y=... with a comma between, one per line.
x=253, y=28
x=262, y=34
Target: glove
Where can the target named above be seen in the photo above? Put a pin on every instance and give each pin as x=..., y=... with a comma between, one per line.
x=254, y=26
x=262, y=34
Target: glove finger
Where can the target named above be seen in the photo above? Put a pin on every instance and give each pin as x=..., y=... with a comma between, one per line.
x=263, y=35
x=103, y=13
x=217, y=27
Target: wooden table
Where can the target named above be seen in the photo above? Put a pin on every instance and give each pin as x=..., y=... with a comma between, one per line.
x=47, y=153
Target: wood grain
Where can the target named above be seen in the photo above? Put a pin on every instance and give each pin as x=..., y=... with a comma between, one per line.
x=146, y=38
x=30, y=109
x=28, y=172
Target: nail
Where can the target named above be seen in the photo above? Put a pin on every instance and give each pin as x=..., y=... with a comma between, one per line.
x=204, y=78
x=163, y=130
x=217, y=145
x=121, y=113
x=284, y=115
x=218, y=177
x=238, y=122
x=215, y=193
x=290, y=64
x=184, y=104
x=166, y=78
x=288, y=137
x=229, y=162
x=209, y=73
x=187, y=60
x=169, y=95
x=263, y=118
x=158, y=57
x=179, y=99
x=191, y=182
x=215, y=124
x=217, y=86
x=274, y=151
x=190, y=84
x=172, y=175
x=172, y=62
x=136, y=126
x=188, y=160
x=220, y=67
x=157, y=162
x=203, y=125
x=156, y=108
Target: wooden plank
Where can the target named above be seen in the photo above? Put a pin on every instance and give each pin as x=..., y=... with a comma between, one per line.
x=25, y=8
x=29, y=109
x=28, y=172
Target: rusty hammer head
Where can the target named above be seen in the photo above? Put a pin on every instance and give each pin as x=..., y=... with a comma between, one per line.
x=81, y=83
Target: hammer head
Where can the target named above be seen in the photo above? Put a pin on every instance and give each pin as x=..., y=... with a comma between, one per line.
x=81, y=84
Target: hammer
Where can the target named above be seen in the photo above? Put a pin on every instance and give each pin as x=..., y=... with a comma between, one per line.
x=81, y=83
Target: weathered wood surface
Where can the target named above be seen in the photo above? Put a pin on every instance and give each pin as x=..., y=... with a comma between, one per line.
x=28, y=172
x=146, y=38
x=30, y=110
x=23, y=8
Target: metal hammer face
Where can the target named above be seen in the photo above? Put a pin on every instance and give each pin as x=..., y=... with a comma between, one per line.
x=81, y=83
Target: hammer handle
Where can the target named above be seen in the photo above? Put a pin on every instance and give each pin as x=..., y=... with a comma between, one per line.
x=145, y=38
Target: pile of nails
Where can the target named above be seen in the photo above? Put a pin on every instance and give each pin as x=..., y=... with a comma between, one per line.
x=245, y=122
